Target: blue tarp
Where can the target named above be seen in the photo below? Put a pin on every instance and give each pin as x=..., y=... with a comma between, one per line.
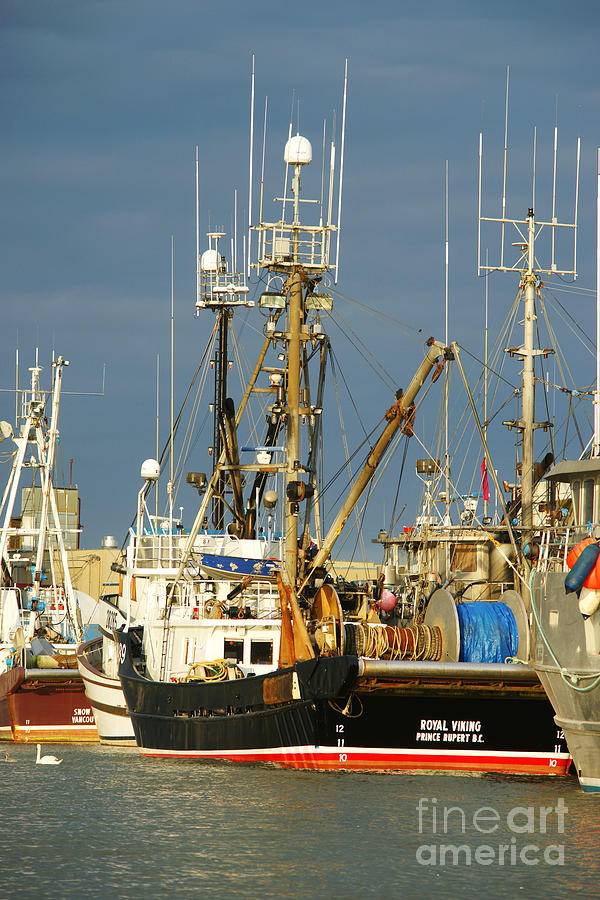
x=488, y=632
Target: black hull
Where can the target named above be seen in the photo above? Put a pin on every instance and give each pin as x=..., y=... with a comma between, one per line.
x=302, y=718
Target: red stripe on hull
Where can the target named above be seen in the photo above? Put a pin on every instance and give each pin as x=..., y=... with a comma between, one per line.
x=359, y=761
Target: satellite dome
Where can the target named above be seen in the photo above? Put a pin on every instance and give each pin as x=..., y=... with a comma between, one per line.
x=209, y=261
x=298, y=151
x=269, y=499
x=150, y=470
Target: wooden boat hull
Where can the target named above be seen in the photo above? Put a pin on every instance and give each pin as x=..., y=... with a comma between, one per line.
x=45, y=705
x=348, y=721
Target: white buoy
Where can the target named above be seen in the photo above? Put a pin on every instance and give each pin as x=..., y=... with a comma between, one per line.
x=589, y=601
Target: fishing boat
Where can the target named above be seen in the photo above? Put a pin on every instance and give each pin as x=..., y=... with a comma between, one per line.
x=42, y=696
x=350, y=690
x=212, y=615
x=226, y=607
x=566, y=629
x=565, y=592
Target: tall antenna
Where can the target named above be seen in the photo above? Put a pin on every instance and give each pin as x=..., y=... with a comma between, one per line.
x=250, y=178
x=505, y=165
x=172, y=454
x=322, y=172
x=197, y=229
x=485, y=371
x=331, y=173
x=262, y=168
x=533, y=179
x=446, y=382
x=286, y=243
x=235, y=268
x=157, y=415
x=339, y=222
x=554, y=175
x=16, y=387
x=596, y=452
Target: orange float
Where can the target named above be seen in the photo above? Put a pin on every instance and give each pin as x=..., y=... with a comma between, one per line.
x=593, y=580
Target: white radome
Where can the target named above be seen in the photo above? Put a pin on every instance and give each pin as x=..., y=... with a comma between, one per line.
x=150, y=470
x=298, y=151
x=208, y=261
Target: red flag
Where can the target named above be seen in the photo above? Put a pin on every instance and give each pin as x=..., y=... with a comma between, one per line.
x=484, y=479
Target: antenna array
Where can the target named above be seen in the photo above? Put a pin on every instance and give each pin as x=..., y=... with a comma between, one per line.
x=288, y=242
x=218, y=284
x=529, y=229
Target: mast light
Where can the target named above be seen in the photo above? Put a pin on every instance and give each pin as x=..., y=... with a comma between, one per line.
x=318, y=301
x=271, y=300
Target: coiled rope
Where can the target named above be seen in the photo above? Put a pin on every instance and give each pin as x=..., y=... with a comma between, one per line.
x=215, y=670
x=414, y=642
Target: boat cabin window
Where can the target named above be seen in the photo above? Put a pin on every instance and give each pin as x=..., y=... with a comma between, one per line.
x=408, y=560
x=576, y=496
x=261, y=652
x=189, y=651
x=463, y=557
x=233, y=650
x=588, y=500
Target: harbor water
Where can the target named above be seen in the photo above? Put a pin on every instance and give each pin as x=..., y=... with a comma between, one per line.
x=106, y=823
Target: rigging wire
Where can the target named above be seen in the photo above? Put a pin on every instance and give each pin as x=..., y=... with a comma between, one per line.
x=168, y=444
x=409, y=330
x=334, y=368
x=343, y=429
x=402, y=464
x=373, y=363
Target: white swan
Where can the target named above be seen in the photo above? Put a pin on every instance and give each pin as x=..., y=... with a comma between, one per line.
x=46, y=760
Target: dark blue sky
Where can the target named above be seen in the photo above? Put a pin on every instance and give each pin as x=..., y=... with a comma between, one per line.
x=102, y=104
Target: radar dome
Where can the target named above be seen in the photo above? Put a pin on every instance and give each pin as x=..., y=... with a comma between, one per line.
x=209, y=261
x=298, y=151
x=269, y=499
x=150, y=470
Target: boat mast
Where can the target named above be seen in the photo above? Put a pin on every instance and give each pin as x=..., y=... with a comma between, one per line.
x=221, y=363
x=221, y=290
x=596, y=450
x=528, y=284
x=297, y=253
x=293, y=402
x=33, y=431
